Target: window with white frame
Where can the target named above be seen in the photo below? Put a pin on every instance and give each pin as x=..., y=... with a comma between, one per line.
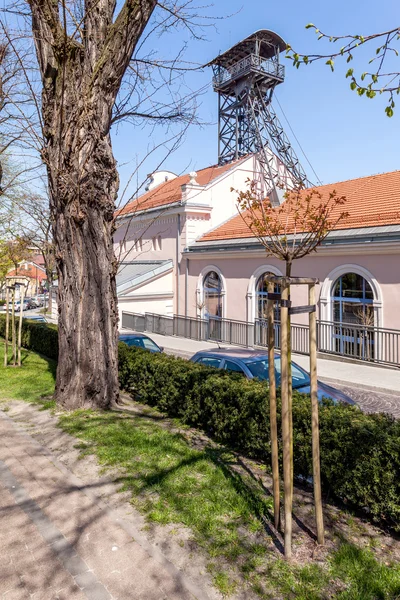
x=212, y=290
x=353, y=316
x=353, y=298
x=262, y=297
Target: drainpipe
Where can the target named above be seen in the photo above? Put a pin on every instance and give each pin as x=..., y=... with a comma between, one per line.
x=178, y=264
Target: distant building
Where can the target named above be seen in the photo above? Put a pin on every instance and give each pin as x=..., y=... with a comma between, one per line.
x=33, y=269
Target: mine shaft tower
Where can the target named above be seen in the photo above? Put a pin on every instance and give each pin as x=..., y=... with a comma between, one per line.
x=245, y=78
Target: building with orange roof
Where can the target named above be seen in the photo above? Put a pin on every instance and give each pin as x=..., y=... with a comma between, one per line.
x=36, y=273
x=154, y=230
x=184, y=250
x=195, y=256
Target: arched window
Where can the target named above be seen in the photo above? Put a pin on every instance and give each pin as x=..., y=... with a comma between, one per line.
x=353, y=299
x=212, y=288
x=353, y=315
x=262, y=297
x=261, y=330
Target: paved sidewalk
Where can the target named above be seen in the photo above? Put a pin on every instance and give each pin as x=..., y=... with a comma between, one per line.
x=367, y=376
x=58, y=541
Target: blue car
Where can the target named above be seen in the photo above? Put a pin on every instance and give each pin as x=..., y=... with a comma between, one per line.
x=38, y=318
x=141, y=341
x=254, y=364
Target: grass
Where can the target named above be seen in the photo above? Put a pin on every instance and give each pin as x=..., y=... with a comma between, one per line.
x=173, y=483
x=32, y=382
x=366, y=578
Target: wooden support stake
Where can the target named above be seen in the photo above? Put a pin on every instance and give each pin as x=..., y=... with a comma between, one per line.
x=13, y=332
x=314, y=417
x=272, y=407
x=7, y=327
x=287, y=471
x=290, y=395
x=22, y=288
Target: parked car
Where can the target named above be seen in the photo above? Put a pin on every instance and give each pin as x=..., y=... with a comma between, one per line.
x=33, y=303
x=141, y=341
x=38, y=318
x=38, y=300
x=254, y=364
x=25, y=305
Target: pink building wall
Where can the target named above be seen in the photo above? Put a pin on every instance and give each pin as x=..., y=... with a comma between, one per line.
x=237, y=273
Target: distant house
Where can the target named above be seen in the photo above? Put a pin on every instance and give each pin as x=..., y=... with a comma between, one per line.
x=35, y=271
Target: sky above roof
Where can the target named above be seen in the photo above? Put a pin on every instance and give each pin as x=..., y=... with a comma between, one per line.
x=342, y=135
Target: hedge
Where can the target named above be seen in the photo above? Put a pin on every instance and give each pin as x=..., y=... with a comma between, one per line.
x=37, y=336
x=360, y=453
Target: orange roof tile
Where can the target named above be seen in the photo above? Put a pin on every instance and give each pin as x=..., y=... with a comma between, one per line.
x=32, y=272
x=170, y=191
x=370, y=201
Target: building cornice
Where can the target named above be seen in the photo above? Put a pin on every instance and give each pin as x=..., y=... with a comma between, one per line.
x=164, y=211
x=150, y=296
x=257, y=251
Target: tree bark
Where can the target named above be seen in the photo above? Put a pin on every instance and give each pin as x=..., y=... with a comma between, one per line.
x=80, y=85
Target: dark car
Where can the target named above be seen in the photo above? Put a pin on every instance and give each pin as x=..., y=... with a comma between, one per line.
x=32, y=303
x=254, y=364
x=140, y=340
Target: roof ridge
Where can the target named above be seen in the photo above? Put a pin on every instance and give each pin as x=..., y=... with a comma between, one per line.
x=355, y=179
x=141, y=203
x=373, y=200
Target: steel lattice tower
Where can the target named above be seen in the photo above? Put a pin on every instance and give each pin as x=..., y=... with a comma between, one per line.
x=245, y=78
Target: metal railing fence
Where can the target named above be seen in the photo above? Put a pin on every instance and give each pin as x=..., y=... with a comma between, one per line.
x=369, y=344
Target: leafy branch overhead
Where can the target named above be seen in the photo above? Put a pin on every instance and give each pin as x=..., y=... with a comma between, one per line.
x=378, y=78
x=295, y=228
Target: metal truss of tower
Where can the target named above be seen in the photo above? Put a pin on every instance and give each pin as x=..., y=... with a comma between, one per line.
x=245, y=78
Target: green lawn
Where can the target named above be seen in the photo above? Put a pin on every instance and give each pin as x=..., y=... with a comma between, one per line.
x=31, y=382
x=172, y=482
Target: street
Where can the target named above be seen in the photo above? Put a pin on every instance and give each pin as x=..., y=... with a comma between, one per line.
x=373, y=401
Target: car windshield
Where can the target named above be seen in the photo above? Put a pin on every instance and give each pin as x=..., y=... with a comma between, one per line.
x=141, y=342
x=259, y=369
x=149, y=344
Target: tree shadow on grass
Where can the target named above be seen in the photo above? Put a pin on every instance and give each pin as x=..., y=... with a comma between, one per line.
x=188, y=489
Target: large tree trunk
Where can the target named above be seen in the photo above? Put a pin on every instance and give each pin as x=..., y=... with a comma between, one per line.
x=80, y=84
x=87, y=373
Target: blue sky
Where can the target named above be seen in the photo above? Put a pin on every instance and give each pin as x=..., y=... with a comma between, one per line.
x=343, y=136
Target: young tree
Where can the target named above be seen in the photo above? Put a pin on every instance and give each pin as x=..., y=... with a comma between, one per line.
x=378, y=77
x=289, y=232
x=17, y=250
x=84, y=51
x=295, y=228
